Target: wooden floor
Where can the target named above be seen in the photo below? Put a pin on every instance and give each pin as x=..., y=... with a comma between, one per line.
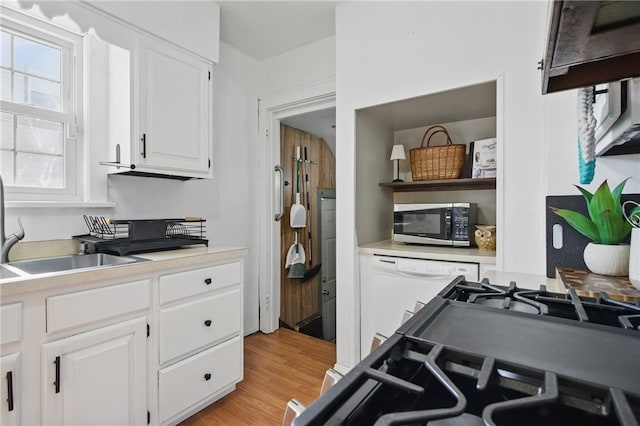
x=277, y=367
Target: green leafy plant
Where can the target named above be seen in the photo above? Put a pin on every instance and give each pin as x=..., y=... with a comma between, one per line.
x=606, y=223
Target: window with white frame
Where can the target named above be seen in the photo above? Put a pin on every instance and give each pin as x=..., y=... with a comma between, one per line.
x=40, y=103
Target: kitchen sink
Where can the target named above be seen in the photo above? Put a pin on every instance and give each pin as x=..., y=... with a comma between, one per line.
x=6, y=273
x=72, y=262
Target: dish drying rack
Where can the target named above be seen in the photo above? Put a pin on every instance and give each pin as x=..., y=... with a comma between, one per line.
x=128, y=236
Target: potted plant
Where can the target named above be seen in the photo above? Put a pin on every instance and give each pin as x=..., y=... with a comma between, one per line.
x=606, y=227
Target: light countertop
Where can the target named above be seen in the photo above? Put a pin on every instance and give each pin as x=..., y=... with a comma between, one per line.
x=457, y=254
x=157, y=260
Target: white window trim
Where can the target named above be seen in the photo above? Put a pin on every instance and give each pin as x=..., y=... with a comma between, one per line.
x=72, y=100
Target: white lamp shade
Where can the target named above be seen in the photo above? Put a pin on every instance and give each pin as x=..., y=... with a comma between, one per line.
x=397, y=153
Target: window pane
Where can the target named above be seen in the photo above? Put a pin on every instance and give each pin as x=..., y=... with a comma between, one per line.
x=36, y=92
x=5, y=89
x=6, y=167
x=38, y=135
x=42, y=171
x=7, y=131
x=36, y=59
x=6, y=50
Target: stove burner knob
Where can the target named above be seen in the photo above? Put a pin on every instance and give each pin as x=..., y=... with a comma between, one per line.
x=207, y=323
x=207, y=376
x=207, y=281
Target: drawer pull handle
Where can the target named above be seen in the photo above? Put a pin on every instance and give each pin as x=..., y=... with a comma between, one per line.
x=207, y=323
x=10, y=390
x=207, y=281
x=207, y=376
x=56, y=362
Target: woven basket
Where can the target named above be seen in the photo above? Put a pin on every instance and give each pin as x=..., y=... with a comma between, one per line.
x=437, y=162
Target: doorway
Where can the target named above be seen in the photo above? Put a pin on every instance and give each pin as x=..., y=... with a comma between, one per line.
x=314, y=98
x=308, y=167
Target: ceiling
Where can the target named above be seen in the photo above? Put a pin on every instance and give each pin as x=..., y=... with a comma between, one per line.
x=320, y=123
x=263, y=29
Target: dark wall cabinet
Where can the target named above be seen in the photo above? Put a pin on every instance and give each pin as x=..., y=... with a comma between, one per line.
x=591, y=42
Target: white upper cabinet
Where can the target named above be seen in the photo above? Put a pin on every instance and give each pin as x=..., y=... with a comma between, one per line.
x=150, y=86
x=173, y=111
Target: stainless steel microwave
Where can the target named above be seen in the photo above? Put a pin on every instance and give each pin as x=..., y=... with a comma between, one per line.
x=446, y=224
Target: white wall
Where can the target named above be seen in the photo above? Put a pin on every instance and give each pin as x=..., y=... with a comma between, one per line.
x=374, y=205
x=562, y=152
x=299, y=67
x=390, y=51
x=288, y=81
x=203, y=18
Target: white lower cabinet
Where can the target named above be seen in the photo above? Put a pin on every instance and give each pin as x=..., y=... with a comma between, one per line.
x=187, y=382
x=146, y=348
x=200, y=344
x=97, y=377
x=11, y=334
x=10, y=323
x=10, y=389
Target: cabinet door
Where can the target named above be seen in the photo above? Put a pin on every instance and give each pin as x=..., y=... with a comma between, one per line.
x=97, y=377
x=10, y=389
x=174, y=110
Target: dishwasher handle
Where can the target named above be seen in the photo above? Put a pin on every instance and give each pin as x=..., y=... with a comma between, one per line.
x=424, y=268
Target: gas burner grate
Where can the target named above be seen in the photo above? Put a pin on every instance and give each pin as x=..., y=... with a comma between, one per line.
x=422, y=416
x=459, y=361
x=630, y=322
x=602, y=310
x=510, y=298
x=437, y=385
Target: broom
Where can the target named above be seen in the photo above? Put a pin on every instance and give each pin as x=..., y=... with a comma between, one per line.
x=312, y=270
x=297, y=267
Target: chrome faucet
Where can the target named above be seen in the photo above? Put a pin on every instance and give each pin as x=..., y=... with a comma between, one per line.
x=7, y=243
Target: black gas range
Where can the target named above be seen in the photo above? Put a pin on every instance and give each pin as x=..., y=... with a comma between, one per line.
x=482, y=354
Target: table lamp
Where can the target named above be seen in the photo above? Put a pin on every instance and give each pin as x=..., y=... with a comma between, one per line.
x=397, y=153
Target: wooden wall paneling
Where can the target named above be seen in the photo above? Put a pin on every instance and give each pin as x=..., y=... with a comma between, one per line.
x=328, y=170
x=299, y=301
x=288, y=296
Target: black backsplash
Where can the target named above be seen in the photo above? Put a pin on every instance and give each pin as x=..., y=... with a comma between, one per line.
x=570, y=255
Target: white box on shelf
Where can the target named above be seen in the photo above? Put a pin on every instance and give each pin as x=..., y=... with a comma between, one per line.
x=485, y=158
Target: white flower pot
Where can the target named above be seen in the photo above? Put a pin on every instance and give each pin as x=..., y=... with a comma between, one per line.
x=605, y=259
x=634, y=259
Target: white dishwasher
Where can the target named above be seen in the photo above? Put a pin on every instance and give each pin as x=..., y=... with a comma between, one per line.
x=393, y=285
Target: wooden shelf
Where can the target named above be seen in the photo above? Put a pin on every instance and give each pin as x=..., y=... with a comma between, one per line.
x=442, y=185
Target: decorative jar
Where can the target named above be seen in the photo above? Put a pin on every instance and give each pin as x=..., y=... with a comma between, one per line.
x=486, y=237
